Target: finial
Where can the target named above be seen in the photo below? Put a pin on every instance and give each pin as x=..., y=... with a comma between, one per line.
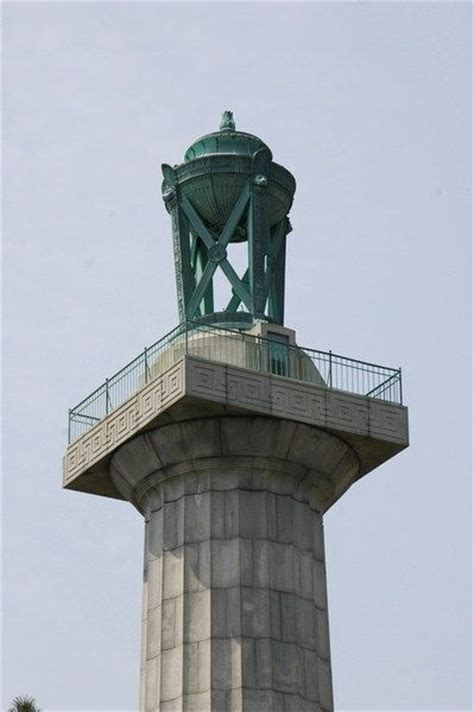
x=227, y=121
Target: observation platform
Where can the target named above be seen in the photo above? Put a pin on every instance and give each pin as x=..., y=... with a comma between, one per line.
x=199, y=371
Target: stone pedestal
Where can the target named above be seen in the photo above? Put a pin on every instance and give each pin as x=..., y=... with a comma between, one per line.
x=235, y=608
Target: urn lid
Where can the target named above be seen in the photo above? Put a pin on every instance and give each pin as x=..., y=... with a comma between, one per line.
x=227, y=141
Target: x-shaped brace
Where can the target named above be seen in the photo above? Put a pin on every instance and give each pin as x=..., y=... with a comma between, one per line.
x=217, y=252
x=273, y=252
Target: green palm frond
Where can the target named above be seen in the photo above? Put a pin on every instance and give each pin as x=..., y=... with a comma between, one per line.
x=24, y=704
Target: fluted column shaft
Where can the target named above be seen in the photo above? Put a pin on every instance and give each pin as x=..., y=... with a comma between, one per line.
x=235, y=606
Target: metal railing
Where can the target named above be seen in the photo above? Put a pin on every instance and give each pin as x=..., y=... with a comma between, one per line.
x=238, y=349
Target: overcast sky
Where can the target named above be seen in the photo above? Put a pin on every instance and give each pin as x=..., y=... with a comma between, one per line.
x=368, y=104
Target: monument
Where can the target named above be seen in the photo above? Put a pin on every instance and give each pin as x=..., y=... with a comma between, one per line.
x=232, y=441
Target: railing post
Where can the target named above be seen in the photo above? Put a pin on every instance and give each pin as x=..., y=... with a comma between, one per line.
x=106, y=396
x=400, y=384
x=69, y=425
x=261, y=347
x=186, y=337
x=330, y=370
x=145, y=357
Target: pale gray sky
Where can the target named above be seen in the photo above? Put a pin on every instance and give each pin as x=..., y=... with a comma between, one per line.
x=368, y=104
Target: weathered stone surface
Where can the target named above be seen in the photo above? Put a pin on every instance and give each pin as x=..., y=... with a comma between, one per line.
x=197, y=613
x=197, y=702
x=325, y=684
x=225, y=563
x=287, y=667
x=172, y=577
x=319, y=585
x=255, y=612
x=311, y=686
x=171, y=680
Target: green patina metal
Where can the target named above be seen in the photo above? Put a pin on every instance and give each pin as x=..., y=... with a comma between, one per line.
x=229, y=190
x=227, y=121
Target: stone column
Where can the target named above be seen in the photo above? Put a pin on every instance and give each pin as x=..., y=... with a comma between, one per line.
x=235, y=608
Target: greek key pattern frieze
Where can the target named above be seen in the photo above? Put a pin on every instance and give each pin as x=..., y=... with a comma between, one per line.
x=308, y=403
x=123, y=422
